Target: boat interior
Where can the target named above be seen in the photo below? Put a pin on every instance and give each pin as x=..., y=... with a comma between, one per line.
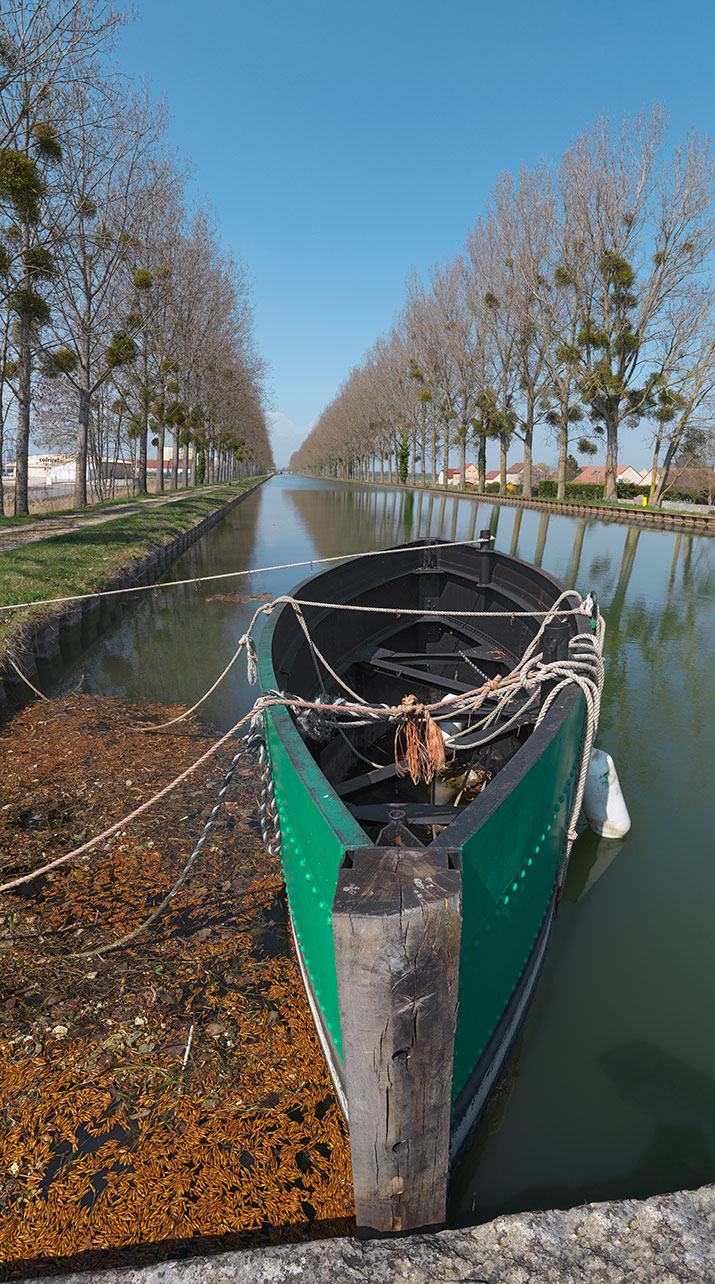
x=382, y=657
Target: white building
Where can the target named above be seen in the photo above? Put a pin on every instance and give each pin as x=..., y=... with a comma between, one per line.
x=47, y=470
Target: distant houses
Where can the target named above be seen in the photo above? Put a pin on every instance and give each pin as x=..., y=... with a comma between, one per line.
x=595, y=474
x=452, y=477
x=514, y=475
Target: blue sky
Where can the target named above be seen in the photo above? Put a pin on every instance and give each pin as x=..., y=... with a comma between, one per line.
x=343, y=144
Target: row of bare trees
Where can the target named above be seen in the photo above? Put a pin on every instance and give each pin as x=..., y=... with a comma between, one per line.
x=582, y=300
x=124, y=322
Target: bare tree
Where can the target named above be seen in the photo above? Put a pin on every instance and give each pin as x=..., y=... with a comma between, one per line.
x=643, y=225
x=47, y=48
x=103, y=179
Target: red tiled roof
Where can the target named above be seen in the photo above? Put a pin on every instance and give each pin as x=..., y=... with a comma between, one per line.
x=597, y=472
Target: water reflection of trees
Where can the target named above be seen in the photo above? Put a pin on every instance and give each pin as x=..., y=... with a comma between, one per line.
x=514, y=550
x=669, y=690
x=173, y=645
x=541, y=538
x=577, y=550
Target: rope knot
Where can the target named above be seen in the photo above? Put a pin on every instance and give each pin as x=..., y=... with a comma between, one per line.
x=251, y=657
x=419, y=741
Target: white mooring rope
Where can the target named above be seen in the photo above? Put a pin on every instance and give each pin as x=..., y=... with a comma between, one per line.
x=585, y=669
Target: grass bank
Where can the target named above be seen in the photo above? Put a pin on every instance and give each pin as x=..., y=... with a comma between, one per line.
x=106, y=505
x=87, y=559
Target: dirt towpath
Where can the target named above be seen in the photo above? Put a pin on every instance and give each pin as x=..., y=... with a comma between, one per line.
x=63, y=524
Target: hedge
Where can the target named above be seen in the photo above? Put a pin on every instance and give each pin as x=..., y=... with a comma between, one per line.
x=626, y=490
x=591, y=490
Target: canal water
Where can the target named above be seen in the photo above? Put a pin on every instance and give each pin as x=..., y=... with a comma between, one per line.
x=611, y=1090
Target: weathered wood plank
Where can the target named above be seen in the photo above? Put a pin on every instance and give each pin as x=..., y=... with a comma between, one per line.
x=397, y=922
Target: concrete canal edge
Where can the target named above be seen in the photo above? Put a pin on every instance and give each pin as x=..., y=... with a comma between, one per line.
x=668, y=1239
x=45, y=647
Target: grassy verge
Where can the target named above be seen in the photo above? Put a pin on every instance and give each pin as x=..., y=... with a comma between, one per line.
x=620, y=505
x=84, y=560
x=89, y=510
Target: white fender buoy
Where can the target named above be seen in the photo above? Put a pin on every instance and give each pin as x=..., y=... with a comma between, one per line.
x=603, y=802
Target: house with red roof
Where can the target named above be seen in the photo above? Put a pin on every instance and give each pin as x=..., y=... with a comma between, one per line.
x=596, y=474
x=514, y=475
x=452, y=477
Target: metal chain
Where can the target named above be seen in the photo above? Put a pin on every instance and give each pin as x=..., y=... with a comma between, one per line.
x=472, y=665
x=267, y=808
x=124, y=940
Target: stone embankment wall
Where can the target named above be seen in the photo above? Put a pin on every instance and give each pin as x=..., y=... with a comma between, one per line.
x=669, y=1239
x=45, y=648
x=703, y=523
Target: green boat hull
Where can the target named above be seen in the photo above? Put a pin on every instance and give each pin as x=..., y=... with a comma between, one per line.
x=512, y=846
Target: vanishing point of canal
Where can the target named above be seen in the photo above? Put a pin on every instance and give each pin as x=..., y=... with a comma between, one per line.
x=611, y=1089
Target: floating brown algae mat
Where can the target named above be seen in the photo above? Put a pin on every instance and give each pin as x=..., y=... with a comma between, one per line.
x=173, y=1089
x=240, y=597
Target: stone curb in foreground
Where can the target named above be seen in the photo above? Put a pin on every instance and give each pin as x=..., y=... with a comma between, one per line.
x=668, y=1239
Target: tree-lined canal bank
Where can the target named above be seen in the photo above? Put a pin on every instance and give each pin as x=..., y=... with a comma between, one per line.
x=702, y=522
x=103, y=553
x=610, y=1089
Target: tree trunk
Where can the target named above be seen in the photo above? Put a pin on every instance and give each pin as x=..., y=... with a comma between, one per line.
x=80, y=473
x=610, y=490
x=528, y=440
x=662, y=483
x=482, y=462
x=563, y=452
x=463, y=460
x=446, y=455
x=2, y=455
x=160, y=458
x=654, y=489
x=503, y=445
x=144, y=422
x=24, y=394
